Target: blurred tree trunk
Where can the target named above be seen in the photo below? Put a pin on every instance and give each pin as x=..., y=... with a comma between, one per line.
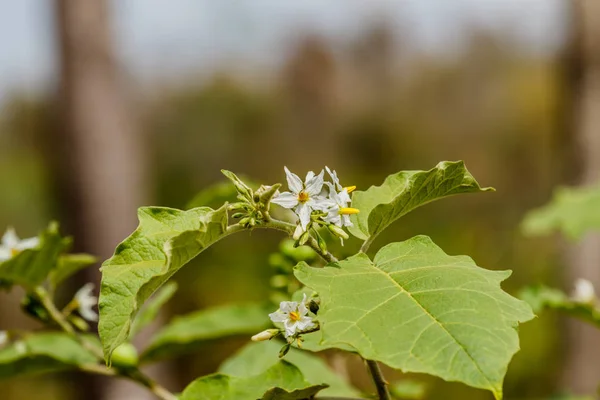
x=97, y=149
x=581, y=369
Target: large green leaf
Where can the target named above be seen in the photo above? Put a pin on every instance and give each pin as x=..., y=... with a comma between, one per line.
x=573, y=211
x=165, y=240
x=30, y=267
x=189, y=331
x=404, y=191
x=255, y=358
x=150, y=310
x=281, y=381
x=418, y=309
x=69, y=264
x=43, y=352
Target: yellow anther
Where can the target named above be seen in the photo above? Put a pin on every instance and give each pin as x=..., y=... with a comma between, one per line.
x=303, y=197
x=350, y=189
x=349, y=211
x=14, y=252
x=294, y=316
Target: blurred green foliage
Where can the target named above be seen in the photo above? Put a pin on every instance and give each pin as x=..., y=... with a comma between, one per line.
x=494, y=107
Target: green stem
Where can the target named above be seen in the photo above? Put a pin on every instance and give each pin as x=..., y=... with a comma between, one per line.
x=134, y=374
x=379, y=380
x=367, y=243
x=289, y=228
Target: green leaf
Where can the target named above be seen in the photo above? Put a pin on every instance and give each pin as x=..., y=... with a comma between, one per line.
x=165, y=240
x=418, y=309
x=30, y=267
x=573, y=211
x=69, y=264
x=43, y=352
x=257, y=357
x=541, y=297
x=281, y=381
x=404, y=191
x=187, y=332
x=152, y=307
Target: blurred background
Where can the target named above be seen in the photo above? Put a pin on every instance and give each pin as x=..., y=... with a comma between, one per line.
x=106, y=106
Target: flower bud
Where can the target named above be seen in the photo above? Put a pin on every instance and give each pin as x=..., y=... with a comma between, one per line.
x=298, y=232
x=322, y=243
x=237, y=215
x=337, y=231
x=284, y=350
x=265, y=335
x=304, y=238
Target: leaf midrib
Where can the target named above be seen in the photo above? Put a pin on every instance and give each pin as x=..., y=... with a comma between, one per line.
x=462, y=347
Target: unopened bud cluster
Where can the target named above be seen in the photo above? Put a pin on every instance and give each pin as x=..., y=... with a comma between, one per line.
x=253, y=207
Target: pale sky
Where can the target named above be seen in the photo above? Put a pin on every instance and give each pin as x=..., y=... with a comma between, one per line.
x=163, y=38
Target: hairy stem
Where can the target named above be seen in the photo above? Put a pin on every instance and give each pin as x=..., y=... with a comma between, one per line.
x=133, y=374
x=379, y=380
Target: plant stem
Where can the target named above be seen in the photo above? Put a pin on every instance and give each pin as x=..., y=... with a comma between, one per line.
x=312, y=242
x=379, y=380
x=134, y=374
x=367, y=243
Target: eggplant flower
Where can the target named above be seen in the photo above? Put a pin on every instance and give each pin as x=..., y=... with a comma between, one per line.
x=11, y=245
x=303, y=197
x=294, y=317
x=85, y=301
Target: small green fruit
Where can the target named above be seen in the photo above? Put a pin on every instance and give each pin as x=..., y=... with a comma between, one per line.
x=125, y=356
x=300, y=253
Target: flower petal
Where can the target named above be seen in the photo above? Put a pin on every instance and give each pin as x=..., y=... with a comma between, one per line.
x=288, y=306
x=5, y=254
x=293, y=180
x=303, y=211
x=304, y=323
x=334, y=178
x=28, y=243
x=309, y=176
x=10, y=238
x=286, y=200
x=314, y=185
x=278, y=317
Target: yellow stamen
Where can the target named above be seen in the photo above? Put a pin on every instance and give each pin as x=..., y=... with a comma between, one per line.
x=349, y=211
x=303, y=197
x=294, y=316
x=350, y=189
x=14, y=252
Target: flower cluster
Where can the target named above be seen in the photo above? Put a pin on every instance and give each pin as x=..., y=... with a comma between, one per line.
x=11, y=245
x=318, y=201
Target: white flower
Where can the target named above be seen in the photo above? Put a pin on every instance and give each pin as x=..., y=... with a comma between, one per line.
x=85, y=301
x=338, y=213
x=302, y=197
x=584, y=291
x=265, y=335
x=3, y=338
x=294, y=317
x=11, y=245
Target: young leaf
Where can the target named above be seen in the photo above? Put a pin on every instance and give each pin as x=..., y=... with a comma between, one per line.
x=43, y=352
x=151, y=309
x=281, y=381
x=257, y=357
x=573, y=211
x=165, y=240
x=404, y=191
x=67, y=265
x=541, y=297
x=418, y=309
x=188, y=331
x=30, y=267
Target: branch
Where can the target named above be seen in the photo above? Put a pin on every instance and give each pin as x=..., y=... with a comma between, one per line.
x=133, y=374
x=379, y=380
